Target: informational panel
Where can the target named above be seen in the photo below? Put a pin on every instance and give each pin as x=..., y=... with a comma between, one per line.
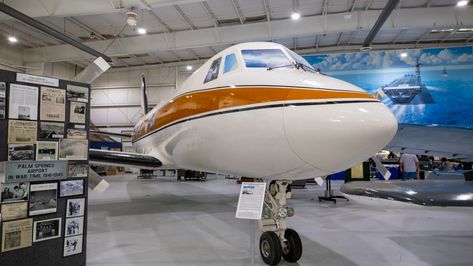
x=432, y=86
x=43, y=170
x=250, y=203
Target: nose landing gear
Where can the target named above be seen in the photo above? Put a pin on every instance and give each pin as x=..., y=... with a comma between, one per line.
x=277, y=240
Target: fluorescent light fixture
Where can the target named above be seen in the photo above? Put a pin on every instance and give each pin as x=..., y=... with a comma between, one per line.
x=295, y=16
x=141, y=30
x=189, y=67
x=465, y=30
x=462, y=3
x=403, y=54
x=12, y=39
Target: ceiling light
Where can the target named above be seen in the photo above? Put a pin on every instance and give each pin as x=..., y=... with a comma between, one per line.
x=465, y=30
x=348, y=16
x=189, y=67
x=131, y=18
x=462, y=3
x=403, y=54
x=295, y=16
x=141, y=30
x=12, y=39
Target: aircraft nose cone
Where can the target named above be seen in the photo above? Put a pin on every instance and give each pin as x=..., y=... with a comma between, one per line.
x=335, y=137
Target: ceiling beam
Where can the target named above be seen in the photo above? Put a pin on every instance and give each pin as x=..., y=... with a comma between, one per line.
x=388, y=9
x=237, y=8
x=281, y=29
x=185, y=17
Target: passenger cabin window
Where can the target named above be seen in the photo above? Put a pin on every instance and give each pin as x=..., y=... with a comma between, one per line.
x=213, y=71
x=230, y=63
x=264, y=58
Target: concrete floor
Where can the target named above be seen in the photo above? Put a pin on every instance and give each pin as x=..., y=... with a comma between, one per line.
x=164, y=222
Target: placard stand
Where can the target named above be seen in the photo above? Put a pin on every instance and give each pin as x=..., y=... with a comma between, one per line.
x=252, y=242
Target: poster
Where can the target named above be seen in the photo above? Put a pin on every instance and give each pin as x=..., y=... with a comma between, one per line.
x=73, y=149
x=72, y=245
x=250, y=203
x=47, y=229
x=14, y=211
x=14, y=192
x=51, y=130
x=77, y=114
x=74, y=226
x=17, y=234
x=26, y=171
x=23, y=102
x=77, y=93
x=23, y=152
x=53, y=104
x=76, y=133
x=22, y=132
x=46, y=150
x=3, y=95
x=27, y=78
x=43, y=198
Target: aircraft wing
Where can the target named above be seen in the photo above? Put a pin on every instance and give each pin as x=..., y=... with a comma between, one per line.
x=455, y=143
x=125, y=159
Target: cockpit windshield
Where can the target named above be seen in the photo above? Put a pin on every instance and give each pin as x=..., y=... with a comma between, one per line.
x=301, y=61
x=266, y=58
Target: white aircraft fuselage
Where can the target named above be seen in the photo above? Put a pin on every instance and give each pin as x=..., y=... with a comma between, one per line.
x=285, y=123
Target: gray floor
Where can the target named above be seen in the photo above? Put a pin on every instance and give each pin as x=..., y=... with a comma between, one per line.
x=162, y=222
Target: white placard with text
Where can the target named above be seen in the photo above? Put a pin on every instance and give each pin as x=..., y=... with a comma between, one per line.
x=250, y=203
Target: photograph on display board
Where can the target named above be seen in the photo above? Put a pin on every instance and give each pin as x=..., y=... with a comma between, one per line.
x=22, y=132
x=47, y=229
x=3, y=102
x=53, y=104
x=77, y=93
x=17, y=234
x=23, y=152
x=71, y=188
x=43, y=198
x=73, y=149
x=72, y=245
x=77, y=114
x=14, y=192
x=23, y=102
x=76, y=133
x=46, y=150
x=78, y=169
x=74, y=226
x=75, y=207
x=14, y=211
x=51, y=130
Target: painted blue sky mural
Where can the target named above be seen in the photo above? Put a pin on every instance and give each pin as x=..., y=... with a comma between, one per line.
x=425, y=86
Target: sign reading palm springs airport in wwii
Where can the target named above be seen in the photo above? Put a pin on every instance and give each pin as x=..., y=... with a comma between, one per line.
x=25, y=171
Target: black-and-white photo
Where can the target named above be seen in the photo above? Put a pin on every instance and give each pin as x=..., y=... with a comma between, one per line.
x=78, y=170
x=14, y=192
x=76, y=133
x=72, y=245
x=24, y=152
x=75, y=207
x=43, y=198
x=46, y=150
x=3, y=94
x=71, y=188
x=24, y=112
x=47, y=229
x=77, y=112
x=51, y=130
x=77, y=93
x=74, y=226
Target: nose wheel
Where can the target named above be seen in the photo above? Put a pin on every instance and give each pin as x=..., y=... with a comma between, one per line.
x=277, y=241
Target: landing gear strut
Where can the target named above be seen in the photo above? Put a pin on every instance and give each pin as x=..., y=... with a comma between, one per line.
x=277, y=240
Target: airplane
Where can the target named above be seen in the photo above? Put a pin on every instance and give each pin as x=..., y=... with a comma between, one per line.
x=260, y=110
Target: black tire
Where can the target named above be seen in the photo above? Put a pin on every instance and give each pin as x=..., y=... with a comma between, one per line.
x=293, y=252
x=273, y=188
x=270, y=248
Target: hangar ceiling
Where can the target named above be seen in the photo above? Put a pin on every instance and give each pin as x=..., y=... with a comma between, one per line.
x=188, y=30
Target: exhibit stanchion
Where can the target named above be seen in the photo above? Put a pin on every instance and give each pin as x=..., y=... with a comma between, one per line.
x=252, y=242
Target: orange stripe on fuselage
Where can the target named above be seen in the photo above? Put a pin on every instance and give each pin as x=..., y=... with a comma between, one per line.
x=194, y=103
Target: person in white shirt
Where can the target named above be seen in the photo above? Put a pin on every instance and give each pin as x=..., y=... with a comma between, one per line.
x=409, y=166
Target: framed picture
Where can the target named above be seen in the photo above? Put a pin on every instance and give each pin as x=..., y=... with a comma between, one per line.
x=22, y=132
x=17, y=234
x=43, y=198
x=14, y=192
x=21, y=152
x=73, y=149
x=74, y=226
x=77, y=112
x=51, y=130
x=78, y=170
x=46, y=150
x=75, y=207
x=53, y=104
x=14, y=211
x=71, y=188
x=76, y=133
x=23, y=102
x=47, y=229
x=3, y=94
x=77, y=93
x=72, y=245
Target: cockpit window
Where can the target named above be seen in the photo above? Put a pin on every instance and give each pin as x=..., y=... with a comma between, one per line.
x=230, y=63
x=213, y=71
x=266, y=58
x=301, y=61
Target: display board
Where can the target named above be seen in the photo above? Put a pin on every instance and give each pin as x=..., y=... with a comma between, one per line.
x=44, y=125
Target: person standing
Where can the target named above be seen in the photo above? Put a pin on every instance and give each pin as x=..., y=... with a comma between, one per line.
x=409, y=166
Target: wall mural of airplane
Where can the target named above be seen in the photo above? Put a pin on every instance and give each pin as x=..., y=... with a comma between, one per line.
x=260, y=110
